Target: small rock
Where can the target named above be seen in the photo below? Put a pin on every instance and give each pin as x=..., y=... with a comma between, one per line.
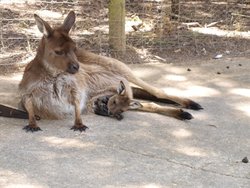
x=218, y=56
x=227, y=67
x=245, y=160
x=204, y=51
x=240, y=65
x=218, y=73
x=189, y=69
x=178, y=50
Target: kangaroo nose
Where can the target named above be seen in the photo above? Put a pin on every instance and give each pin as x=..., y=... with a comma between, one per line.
x=73, y=68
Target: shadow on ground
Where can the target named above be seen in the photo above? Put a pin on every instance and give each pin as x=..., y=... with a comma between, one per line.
x=143, y=150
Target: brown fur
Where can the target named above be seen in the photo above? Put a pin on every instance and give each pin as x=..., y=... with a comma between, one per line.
x=62, y=78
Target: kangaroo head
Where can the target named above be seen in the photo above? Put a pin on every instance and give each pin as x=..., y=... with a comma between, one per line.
x=122, y=101
x=57, y=49
x=119, y=102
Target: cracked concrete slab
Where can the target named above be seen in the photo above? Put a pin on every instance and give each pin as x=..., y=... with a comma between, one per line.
x=144, y=150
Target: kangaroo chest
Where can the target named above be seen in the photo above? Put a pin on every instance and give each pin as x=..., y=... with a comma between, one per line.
x=53, y=97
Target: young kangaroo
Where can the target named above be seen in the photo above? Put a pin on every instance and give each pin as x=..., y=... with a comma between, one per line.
x=61, y=79
x=110, y=104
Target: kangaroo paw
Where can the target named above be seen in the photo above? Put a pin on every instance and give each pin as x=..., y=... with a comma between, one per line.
x=103, y=111
x=100, y=107
x=79, y=127
x=184, y=115
x=193, y=105
x=32, y=128
x=118, y=116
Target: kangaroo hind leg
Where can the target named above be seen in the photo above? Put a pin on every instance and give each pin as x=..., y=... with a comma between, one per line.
x=159, y=95
x=164, y=110
x=139, y=93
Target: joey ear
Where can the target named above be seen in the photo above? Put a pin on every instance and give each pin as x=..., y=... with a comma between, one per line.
x=121, y=90
x=135, y=105
x=43, y=26
x=69, y=21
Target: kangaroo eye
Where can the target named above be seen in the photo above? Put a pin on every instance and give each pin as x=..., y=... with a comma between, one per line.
x=114, y=102
x=58, y=52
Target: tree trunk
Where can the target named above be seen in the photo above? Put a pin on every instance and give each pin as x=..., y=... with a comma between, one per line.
x=117, y=38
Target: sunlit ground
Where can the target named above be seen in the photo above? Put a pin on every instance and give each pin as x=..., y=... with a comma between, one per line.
x=193, y=151
x=241, y=91
x=221, y=33
x=66, y=142
x=192, y=91
x=243, y=107
x=182, y=133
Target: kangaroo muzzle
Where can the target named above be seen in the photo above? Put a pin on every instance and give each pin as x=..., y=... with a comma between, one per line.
x=73, y=68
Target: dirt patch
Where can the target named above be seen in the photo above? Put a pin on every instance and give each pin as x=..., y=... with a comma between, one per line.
x=152, y=31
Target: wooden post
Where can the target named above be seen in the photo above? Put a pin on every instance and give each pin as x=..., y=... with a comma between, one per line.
x=175, y=9
x=117, y=38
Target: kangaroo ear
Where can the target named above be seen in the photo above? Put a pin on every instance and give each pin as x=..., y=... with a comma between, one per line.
x=43, y=26
x=69, y=21
x=135, y=105
x=121, y=90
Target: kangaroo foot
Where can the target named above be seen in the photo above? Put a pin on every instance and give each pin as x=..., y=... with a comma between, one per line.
x=79, y=127
x=32, y=128
x=193, y=105
x=118, y=116
x=184, y=115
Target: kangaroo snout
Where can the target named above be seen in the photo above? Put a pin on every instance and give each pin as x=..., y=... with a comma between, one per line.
x=73, y=68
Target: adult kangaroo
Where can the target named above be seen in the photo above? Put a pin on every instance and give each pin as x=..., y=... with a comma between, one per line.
x=61, y=79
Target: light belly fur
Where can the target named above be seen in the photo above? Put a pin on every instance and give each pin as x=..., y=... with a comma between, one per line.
x=52, y=98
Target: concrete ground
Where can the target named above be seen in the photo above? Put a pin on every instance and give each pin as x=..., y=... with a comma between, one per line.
x=144, y=150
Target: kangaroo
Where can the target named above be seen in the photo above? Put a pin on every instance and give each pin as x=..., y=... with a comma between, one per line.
x=62, y=78
x=110, y=104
